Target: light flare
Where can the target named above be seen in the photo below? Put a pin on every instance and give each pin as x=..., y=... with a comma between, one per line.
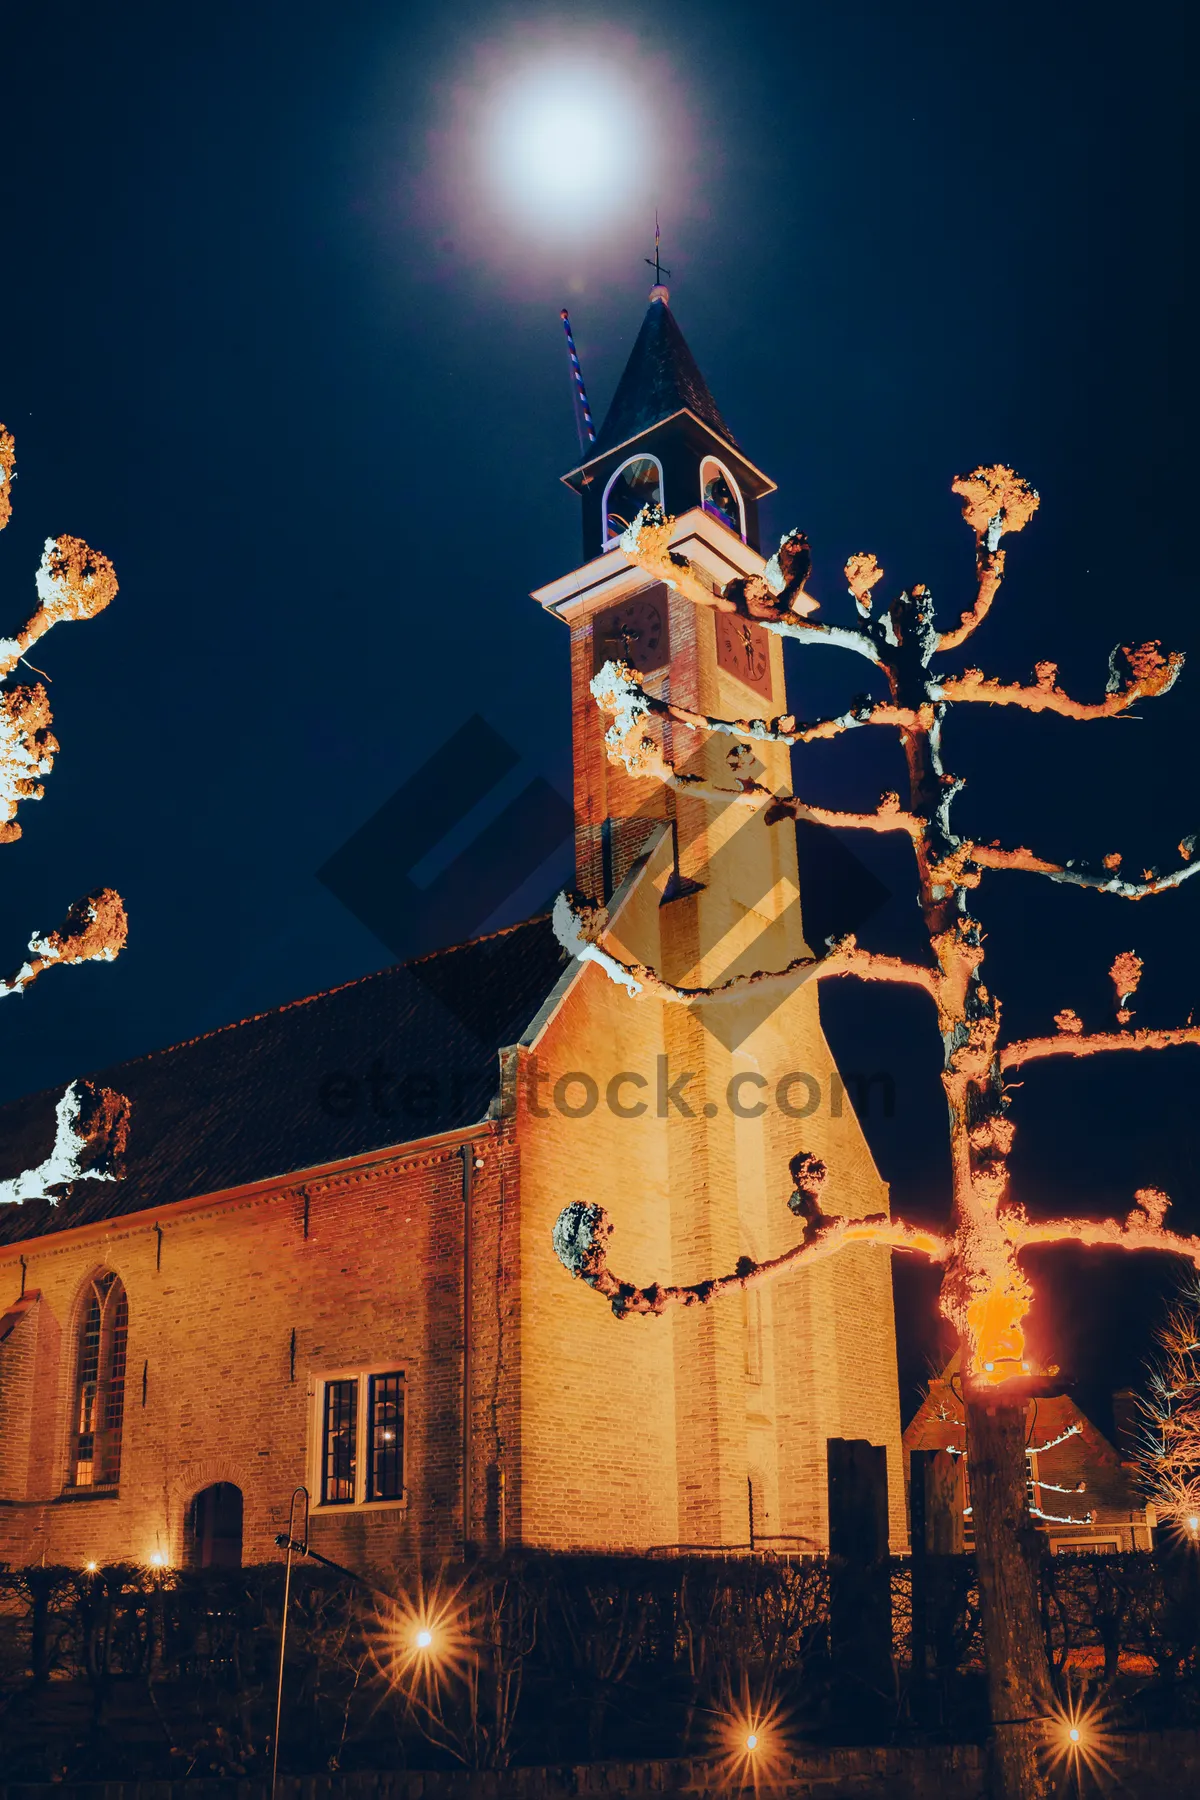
x=1079, y=1737
x=749, y=1739
x=420, y=1642
x=557, y=137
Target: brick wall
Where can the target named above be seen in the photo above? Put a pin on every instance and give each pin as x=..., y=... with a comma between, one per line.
x=219, y=1389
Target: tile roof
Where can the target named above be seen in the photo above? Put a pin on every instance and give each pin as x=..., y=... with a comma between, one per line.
x=660, y=378
x=395, y=1056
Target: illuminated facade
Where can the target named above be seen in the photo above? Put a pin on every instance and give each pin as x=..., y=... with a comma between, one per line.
x=329, y=1260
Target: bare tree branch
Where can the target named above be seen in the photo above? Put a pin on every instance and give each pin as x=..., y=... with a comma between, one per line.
x=582, y=1232
x=579, y=926
x=1142, y=1230
x=888, y=816
x=996, y=500
x=91, y=1126
x=990, y=573
x=647, y=545
x=1153, y=674
x=94, y=930
x=991, y=856
x=619, y=692
x=73, y=582
x=1079, y=1043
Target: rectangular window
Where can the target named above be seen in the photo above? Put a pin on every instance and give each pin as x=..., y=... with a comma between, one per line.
x=385, y=1428
x=339, y=1443
x=360, y=1421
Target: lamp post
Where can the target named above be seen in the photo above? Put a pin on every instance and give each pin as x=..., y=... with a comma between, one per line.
x=292, y=1544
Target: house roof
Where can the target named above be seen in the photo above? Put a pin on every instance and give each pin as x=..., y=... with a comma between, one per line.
x=661, y=379
x=1086, y=1455
x=395, y=1056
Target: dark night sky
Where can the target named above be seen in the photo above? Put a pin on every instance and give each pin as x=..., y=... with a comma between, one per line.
x=265, y=341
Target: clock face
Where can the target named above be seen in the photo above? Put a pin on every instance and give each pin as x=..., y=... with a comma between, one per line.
x=634, y=631
x=744, y=650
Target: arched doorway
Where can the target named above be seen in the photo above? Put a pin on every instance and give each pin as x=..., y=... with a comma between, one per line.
x=214, y=1528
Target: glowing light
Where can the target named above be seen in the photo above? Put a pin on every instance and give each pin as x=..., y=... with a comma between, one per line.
x=1194, y=1526
x=749, y=1739
x=560, y=137
x=157, y=1560
x=1079, y=1737
x=91, y=1568
x=423, y=1643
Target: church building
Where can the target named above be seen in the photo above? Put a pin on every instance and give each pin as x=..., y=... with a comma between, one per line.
x=328, y=1263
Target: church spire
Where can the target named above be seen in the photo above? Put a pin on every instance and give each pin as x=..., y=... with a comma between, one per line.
x=661, y=379
x=664, y=443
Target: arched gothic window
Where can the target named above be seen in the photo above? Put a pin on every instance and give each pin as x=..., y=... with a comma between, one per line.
x=635, y=484
x=99, y=1384
x=719, y=495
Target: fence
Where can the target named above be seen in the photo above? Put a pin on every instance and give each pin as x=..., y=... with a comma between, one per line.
x=128, y=1673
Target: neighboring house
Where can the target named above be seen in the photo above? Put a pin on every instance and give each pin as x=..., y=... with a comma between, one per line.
x=329, y=1262
x=1074, y=1472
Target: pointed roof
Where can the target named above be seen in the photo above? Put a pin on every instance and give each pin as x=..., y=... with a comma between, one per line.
x=661, y=379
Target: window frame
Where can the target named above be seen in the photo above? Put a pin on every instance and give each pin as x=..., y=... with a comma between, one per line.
x=107, y=1408
x=609, y=538
x=365, y=1374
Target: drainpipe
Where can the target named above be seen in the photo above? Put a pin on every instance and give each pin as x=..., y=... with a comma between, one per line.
x=467, y=1154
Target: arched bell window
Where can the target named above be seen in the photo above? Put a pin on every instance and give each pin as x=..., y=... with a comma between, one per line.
x=637, y=483
x=720, y=495
x=99, y=1407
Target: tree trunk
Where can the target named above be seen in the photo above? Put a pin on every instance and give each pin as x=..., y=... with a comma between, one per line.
x=1007, y=1551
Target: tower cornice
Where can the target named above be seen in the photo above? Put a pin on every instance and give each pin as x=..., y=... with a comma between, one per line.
x=709, y=544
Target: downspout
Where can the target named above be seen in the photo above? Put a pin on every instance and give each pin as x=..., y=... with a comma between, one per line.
x=467, y=1154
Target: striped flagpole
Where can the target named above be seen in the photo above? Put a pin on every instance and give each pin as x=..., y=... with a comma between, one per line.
x=577, y=372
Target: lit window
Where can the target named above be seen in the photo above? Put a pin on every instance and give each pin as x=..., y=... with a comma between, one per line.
x=339, y=1457
x=636, y=483
x=385, y=1423
x=719, y=495
x=362, y=1438
x=99, y=1410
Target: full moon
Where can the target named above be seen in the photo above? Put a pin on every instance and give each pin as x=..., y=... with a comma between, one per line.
x=567, y=144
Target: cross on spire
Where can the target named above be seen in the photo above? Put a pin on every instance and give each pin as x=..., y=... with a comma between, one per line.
x=655, y=263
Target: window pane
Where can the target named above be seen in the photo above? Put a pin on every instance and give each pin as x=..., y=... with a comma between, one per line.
x=339, y=1447
x=114, y=1391
x=385, y=1420
x=85, y=1393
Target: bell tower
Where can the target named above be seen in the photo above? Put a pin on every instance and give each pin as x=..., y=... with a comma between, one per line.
x=664, y=442
x=701, y=889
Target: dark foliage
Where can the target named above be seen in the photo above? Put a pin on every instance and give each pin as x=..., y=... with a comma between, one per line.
x=130, y=1672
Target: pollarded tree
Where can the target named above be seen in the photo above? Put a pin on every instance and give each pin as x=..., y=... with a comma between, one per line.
x=985, y=1291
x=73, y=582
